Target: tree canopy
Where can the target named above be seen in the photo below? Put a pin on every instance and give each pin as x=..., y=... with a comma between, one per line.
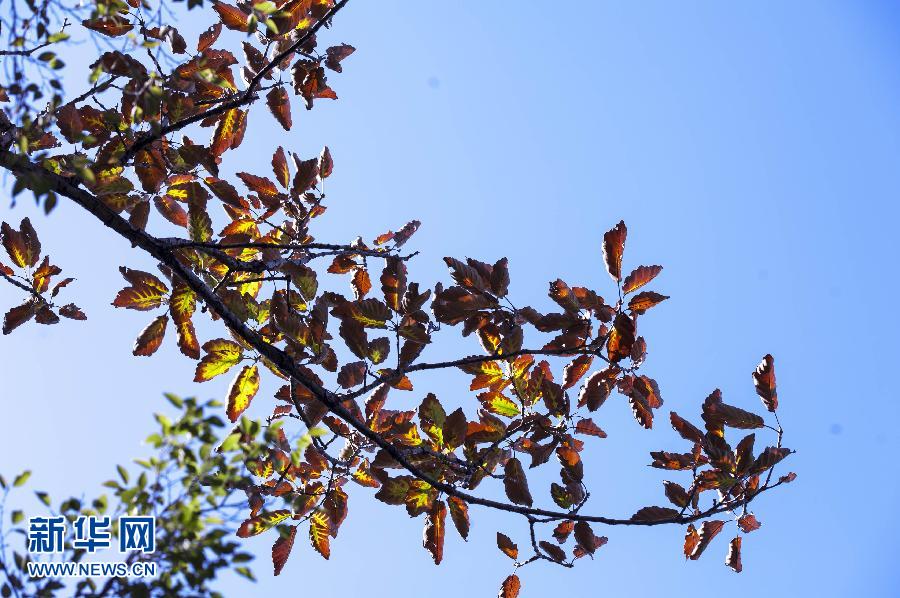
x=146, y=146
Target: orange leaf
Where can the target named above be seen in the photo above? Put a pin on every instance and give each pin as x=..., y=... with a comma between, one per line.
x=510, y=588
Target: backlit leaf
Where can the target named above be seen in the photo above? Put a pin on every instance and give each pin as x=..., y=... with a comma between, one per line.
x=435, y=528
x=151, y=337
x=510, y=588
x=242, y=390
x=459, y=513
x=221, y=356
x=507, y=546
x=644, y=301
x=262, y=522
x=280, y=106
x=764, y=381
x=281, y=550
x=516, y=483
x=639, y=277
x=733, y=558
x=319, y=530
x=613, y=248
x=232, y=16
x=705, y=535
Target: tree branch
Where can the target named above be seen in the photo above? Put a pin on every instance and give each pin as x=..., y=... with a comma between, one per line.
x=22, y=167
x=246, y=97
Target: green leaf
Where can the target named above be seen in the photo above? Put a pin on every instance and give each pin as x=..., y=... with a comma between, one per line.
x=21, y=479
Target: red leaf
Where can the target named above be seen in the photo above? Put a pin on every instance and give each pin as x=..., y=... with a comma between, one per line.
x=281, y=550
x=613, y=248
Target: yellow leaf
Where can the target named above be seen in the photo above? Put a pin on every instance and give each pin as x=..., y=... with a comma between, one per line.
x=221, y=356
x=242, y=391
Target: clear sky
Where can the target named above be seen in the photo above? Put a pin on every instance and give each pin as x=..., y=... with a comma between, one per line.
x=752, y=149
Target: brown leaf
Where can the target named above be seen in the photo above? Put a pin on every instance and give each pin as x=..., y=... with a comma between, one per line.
x=748, y=523
x=510, y=588
x=597, y=388
x=72, y=311
x=733, y=558
x=676, y=494
x=280, y=106
x=654, y=514
x=621, y=337
x=326, y=164
x=281, y=550
x=335, y=54
x=433, y=539
x=585, y=537
x=151, y=337
x=516, y=483
x=707, y=532
x=562, y=530
x=588, y=427
x=319, y=531
x=686, y=429
x=459, y=512
x=613, y=248
x=764, y=381
x=717, y=413
x=208, y=38
x=361, y=283
x=113, y=26
x=171, y=210
x=232, y=16
x=639, y=277
x=507, y=546
x=644, y=301
x=691, y=540
x=280, y=168
x=352, y=374
x=554, y=552
x=575, y=370
x=17, y=316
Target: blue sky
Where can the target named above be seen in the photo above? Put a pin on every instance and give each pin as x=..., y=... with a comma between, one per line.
x=752, y=150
